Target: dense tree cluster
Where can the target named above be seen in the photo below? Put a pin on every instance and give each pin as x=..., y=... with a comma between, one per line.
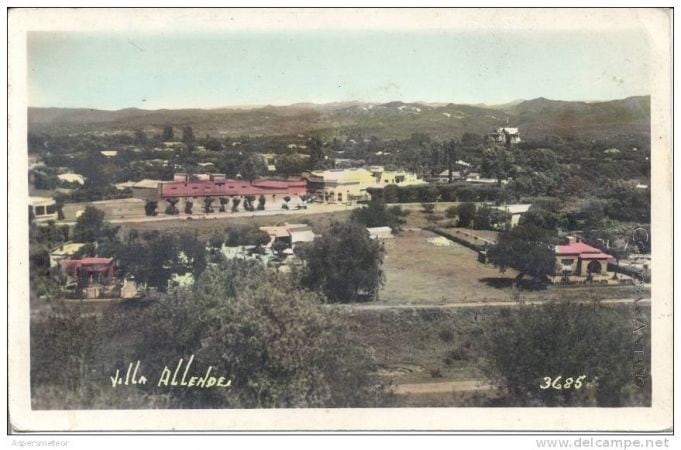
x=564, y=341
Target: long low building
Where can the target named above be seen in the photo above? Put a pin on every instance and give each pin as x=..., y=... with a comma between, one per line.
x=229, y=188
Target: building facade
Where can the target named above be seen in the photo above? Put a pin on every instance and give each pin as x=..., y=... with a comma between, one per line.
x=577, y=262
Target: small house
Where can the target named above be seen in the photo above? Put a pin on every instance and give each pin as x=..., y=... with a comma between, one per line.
x=579, y=262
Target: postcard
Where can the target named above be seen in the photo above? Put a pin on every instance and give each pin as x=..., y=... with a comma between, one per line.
x=319, y=219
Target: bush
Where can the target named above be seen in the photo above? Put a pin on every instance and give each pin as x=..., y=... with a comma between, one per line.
x=427, y=207
x=450, y=212
x=446, y=335
x=466, y=214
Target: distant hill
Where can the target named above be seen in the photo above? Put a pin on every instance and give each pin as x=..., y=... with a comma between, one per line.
x=535, y=118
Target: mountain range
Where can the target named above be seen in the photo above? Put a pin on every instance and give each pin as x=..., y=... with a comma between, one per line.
x=535, y=118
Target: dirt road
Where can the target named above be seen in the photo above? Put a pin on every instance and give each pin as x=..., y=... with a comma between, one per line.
x=442, y=387
x=386, y=306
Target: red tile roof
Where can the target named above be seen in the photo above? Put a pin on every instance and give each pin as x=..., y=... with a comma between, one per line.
x=583, y=250
x=92, y=264
x=231, y=187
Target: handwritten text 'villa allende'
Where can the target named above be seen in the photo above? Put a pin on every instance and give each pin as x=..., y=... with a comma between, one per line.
x=170, y=378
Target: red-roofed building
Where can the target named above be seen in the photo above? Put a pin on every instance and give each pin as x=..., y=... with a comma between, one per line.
x=577, y=261
x=230, y=188
x=92, y=276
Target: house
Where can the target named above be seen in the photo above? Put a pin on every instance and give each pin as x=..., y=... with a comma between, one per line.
x=505, y=135
x=380, y=233
x=125, y=185
x=398, y=177
x=576, y=261
x=90, y=277
x=300, y=233
x=109, y=153
x=269, y=160
x=64, y=251
x=516, y=211
x=290, y=233
x=444, y=176
x=43, y=209
x=146, y=190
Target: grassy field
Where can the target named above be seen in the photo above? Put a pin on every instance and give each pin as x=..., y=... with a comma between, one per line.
x=419, y=272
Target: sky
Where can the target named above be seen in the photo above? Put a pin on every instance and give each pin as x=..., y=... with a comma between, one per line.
x=239, y=68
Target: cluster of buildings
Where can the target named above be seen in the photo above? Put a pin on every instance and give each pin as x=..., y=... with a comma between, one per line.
x=328, y=186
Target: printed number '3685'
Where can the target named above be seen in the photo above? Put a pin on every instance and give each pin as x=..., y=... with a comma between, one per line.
x=557, y=383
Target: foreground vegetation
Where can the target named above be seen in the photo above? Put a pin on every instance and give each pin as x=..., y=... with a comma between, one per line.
x=282, y=348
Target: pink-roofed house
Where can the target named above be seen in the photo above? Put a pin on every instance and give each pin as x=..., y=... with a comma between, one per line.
x=577, y=261
x=93, y=277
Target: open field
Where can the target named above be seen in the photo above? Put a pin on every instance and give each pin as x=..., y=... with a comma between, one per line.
x=132, y=208
x=417, y=272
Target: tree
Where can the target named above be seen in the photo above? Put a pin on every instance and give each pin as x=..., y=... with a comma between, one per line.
x=140, y=137
x=235, y=204
x=428, y=208
x=248, y=202
x=451, y=212
x=274, y=341
x=316, y=152
x=279, y=246
x=188, y=205
x=344, y=263
x=213, y=145
x=252, y=167
x=526, y=248
x=376, y=214
x=171, y=209
x=451, y=156
x=566, y=340
x=90, y=226
x=208, y=204
x=496, y=163
x=466, y=214
x=150, y=208
x=188, y=135
x=261, y=203
x=168, y=134
x=223, y=202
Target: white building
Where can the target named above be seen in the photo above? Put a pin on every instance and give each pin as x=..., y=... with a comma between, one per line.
x=64, y=251
x=43, y=208
x=380, y=233
x=516, y=211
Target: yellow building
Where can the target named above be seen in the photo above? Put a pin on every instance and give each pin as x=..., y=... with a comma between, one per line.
x=351, y=185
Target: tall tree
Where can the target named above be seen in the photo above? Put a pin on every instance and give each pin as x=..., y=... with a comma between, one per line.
x=526, y=248
x=188, y=135
x=451, y=158
x=168, y=133
x=344, y=263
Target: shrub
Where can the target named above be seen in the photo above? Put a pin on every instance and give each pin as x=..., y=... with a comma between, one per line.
x=427, y=207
